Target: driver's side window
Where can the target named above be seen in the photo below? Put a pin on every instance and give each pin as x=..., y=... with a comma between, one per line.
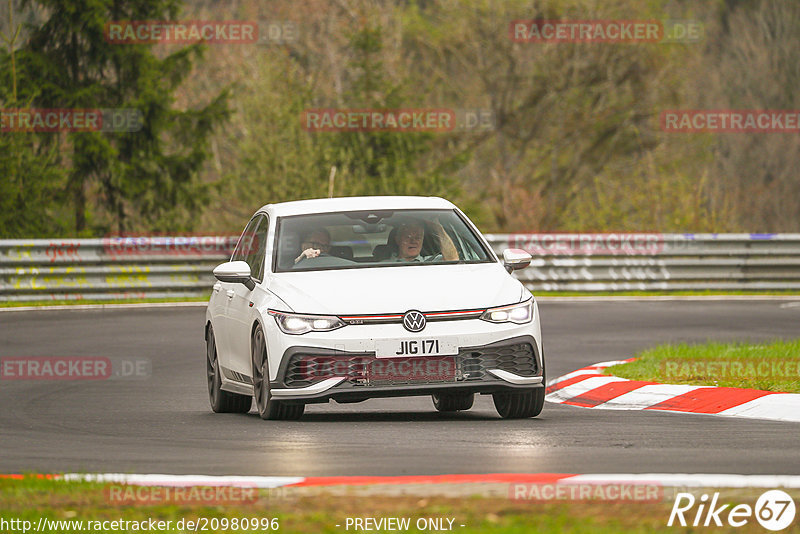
x=252, y=246
x=258, y=249
x=243, y=246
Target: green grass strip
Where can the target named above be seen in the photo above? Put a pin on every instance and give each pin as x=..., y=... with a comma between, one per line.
x=773, y=366
x=311, y=510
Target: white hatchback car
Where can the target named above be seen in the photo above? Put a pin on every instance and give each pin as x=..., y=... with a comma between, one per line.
x=355, y=298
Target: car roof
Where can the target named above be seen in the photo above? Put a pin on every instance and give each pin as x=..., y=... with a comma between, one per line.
x=330, y=205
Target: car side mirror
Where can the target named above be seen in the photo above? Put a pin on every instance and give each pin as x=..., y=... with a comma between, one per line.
x=514, y=259
x=236, y=272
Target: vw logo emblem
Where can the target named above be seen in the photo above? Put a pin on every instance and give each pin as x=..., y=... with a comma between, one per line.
x=414, y=321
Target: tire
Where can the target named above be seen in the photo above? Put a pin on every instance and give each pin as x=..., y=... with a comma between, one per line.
x=221, y=401
x=519, y=405
x=453, y=402
x=268, y=408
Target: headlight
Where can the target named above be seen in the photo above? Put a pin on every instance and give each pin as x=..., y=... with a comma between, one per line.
x=516, y=313
x=295, y=323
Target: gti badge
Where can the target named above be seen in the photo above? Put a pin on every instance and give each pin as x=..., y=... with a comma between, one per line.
x=414, y=321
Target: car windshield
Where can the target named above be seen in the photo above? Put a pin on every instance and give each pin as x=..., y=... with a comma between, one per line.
x=356, y=239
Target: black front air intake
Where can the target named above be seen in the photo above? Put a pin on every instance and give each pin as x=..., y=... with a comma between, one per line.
x=365, y=370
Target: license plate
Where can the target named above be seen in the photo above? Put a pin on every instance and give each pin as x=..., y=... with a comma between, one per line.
x=404, y=348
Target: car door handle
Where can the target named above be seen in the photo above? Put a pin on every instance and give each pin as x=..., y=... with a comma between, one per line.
x=217, y=287
x=230, y=293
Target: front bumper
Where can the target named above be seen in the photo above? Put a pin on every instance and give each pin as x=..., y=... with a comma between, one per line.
x=507, y=365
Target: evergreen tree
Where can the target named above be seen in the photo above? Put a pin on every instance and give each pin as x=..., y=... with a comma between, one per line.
x=144, y=180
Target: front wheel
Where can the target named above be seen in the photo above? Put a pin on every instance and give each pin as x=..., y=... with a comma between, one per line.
x=520, y=405
x=221, y=401
x=268, y=408
x=453, y=402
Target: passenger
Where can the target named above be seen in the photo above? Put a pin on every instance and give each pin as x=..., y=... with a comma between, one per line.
x=409, y=240
x=314, y=243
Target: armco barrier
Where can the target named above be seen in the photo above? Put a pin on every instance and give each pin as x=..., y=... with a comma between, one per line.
x=662, y=262
x=165, y=267
x=110, y=268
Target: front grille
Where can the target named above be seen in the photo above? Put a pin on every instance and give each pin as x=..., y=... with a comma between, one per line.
x=517, y=359
x=364, y=370
x=304, y=369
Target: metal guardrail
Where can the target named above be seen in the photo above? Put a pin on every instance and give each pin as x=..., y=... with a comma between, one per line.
x=657, y=262
x=167, y=267
x=110, y=268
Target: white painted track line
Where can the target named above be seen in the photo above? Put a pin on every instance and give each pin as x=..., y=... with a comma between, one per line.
x=784, y=407
x=699, y=480
x=579, y=388
x=186, y=480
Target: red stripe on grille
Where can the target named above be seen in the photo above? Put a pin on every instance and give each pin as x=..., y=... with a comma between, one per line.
x=400, y=316
x=436, y=314
x=362, y=317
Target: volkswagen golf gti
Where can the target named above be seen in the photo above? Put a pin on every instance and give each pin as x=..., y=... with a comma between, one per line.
x=357, y=298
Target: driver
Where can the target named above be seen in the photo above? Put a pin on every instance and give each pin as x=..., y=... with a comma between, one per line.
x=314, y=243
x=409, y=239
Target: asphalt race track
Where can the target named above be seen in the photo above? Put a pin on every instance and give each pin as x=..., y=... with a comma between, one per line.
x=163, y=424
